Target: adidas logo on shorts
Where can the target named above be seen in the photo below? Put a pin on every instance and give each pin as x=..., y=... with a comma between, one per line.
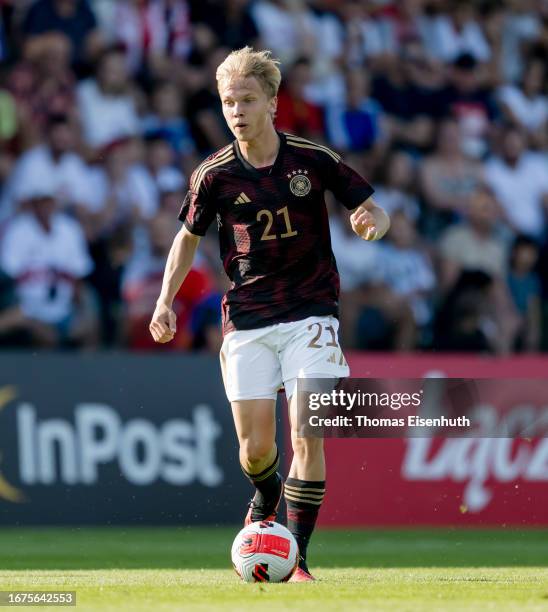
x=333, y=359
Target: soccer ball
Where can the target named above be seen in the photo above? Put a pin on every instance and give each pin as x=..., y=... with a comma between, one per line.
x=265, y=552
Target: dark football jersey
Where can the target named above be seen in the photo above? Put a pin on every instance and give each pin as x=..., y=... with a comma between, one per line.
x=273, y=229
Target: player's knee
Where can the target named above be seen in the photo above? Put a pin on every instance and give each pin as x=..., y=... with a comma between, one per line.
x=307, y=448
x=254, y=450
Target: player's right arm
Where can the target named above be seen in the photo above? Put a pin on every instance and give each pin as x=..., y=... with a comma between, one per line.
x=179, y=261
x=197, y=212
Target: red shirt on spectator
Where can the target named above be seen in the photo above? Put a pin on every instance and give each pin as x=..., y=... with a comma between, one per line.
x=297, y=116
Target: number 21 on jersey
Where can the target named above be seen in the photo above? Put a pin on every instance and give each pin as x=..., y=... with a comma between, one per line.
x=266, y=214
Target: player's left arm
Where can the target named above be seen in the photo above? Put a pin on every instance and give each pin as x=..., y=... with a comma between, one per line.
x=369, y=221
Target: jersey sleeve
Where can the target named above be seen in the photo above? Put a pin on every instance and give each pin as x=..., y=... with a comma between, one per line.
x=199, y=207
x=345, y=183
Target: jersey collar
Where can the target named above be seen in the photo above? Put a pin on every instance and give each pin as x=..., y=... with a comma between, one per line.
x=251, y=169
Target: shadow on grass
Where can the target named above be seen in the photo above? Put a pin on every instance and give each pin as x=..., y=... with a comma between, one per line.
x=209, y=547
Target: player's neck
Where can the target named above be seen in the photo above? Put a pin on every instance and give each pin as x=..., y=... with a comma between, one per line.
x=261, y=151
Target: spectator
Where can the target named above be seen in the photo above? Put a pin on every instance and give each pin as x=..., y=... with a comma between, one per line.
x=474, y=243
x=373, y=316
x=42, y=84
x=327, y=85
x=45, y=253
x=409, y=88
x=206, y=324
x=446, y=36
x=205, y=112
x=406, y=267
x=519, y=180
x=143, y=279
x=295, y=114
x=524, y=285
x=357, y=260
x=425, y=75
x=16, y=329
x=170, y=182
x=231, y=21
x=126, y=200
x=475, y=246
x=396, y=192
x=167, y=119
x=448, y=178
x=55, y=160
x=124, y=192
x=151, y=31
x=106, y=103
x=526, y=106
x=521, y=27
x=471, y=104
x=286, y=27
x=399, y=22
x=465, y=320
x=356, y=125
x=74, y=19
x=365, y=38
x=162, y=167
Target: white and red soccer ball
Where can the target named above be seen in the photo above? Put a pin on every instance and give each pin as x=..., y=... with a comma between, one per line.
x=265, y=552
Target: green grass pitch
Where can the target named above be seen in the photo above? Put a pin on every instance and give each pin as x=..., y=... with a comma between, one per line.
x=189, y=569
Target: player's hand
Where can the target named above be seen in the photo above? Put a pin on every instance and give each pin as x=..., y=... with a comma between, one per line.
x=369, y=224
x=163, y=324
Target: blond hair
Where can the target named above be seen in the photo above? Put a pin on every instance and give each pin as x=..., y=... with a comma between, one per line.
x=248, y=63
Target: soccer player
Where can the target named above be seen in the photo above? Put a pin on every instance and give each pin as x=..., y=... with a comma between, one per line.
x=266, y=192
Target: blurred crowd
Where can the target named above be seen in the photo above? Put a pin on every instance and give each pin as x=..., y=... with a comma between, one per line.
x=107, y=106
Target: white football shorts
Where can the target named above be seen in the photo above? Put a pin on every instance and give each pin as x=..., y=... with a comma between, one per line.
x=256, y=363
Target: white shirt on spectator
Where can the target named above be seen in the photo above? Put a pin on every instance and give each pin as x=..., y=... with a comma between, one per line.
x=520, y=190
x=444, y=42
x=327, y=80
x=461, y=245
x=169, y=179
x=329, y=34
x=357, y=260
x=392, y=200
x=408, y=272
x=517, y=29
x=105, y=117
x=138, y=190
x=69, y=177
x=532, y=113
x=364, y=40
x=280, y=30
x=45, y=264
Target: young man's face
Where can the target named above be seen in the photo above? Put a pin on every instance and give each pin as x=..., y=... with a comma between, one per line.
x=246, y=107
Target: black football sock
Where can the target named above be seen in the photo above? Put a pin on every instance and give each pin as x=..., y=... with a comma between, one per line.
x=268, y=484
x=304, y=499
